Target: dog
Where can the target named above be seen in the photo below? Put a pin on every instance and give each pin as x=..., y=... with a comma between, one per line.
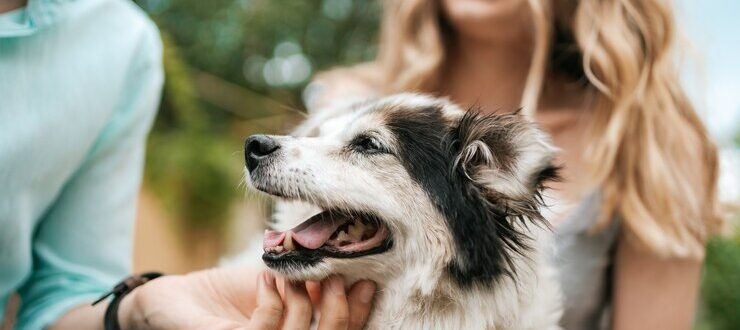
x=440, y=207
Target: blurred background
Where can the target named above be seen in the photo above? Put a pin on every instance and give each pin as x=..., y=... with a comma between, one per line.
x=238, y=67
x=233, y=68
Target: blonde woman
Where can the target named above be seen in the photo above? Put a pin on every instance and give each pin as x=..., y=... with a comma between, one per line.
x=638, y=200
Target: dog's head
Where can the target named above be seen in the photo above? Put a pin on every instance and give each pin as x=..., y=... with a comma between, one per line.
x=408, y=184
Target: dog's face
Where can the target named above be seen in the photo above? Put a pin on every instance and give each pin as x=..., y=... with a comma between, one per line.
x=407, y=184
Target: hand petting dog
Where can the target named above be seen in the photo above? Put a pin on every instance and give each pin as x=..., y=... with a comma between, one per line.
x=245, y=299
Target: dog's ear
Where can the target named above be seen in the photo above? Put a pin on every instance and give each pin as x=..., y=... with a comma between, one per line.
x=506, y=155
x=501, y=163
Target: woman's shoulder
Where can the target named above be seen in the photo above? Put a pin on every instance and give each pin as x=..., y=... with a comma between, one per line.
x=342, y=85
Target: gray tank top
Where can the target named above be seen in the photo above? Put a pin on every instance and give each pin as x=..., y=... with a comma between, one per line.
x=584, y=262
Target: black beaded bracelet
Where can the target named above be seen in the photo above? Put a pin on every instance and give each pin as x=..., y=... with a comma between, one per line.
x=119, y=291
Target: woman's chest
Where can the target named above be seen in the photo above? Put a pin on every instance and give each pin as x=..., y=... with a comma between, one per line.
x=569, y=133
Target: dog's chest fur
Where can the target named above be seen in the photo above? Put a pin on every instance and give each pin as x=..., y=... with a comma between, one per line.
x=532, y=301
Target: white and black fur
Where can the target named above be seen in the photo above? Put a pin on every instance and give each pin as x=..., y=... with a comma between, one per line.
x=460, y=192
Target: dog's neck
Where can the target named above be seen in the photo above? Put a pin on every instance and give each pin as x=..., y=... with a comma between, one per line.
x=412, y=302
x=431, y=299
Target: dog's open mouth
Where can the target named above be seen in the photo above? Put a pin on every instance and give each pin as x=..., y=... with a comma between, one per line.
x=327, y=234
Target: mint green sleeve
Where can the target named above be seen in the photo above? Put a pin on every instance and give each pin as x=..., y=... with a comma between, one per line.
x=83, y=244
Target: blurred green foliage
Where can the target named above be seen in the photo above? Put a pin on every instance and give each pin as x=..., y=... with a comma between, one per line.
x=241, y=41
x=720, y=307
x=187, y=164
x=229, y=63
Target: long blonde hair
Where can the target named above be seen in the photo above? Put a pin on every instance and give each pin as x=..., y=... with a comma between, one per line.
x=650, y=152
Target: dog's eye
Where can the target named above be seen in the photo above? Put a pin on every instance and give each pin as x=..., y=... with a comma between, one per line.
x=366, y=144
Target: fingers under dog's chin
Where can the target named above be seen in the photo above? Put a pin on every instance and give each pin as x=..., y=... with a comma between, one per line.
x=304, y=274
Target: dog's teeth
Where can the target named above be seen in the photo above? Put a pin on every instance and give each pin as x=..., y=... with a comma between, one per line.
x=356, y=230
x=342, y=236
x=278, y=249
x=288, y=243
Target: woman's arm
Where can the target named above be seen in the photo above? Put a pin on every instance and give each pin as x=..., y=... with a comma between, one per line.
x=653, y=293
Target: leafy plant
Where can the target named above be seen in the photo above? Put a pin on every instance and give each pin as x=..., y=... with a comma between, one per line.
x=721, y=285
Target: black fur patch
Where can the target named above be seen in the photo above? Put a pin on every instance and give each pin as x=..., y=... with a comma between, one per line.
x=494, y=130
x=481, y=222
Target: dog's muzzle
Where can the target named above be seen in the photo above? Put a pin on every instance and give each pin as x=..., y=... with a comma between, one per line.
x=258, y=148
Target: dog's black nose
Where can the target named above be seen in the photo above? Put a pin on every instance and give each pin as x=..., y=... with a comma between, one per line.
x=256, y=148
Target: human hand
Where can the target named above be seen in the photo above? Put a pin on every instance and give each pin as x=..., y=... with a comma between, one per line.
x=244, y=299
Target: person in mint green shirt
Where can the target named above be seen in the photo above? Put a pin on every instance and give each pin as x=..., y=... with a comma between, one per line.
x=80, y=83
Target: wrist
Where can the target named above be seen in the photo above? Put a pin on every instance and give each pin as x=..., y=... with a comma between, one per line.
x=129, y=312
x=121, y=309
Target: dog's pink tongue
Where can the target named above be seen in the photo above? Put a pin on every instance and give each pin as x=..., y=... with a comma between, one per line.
x=310, y=234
